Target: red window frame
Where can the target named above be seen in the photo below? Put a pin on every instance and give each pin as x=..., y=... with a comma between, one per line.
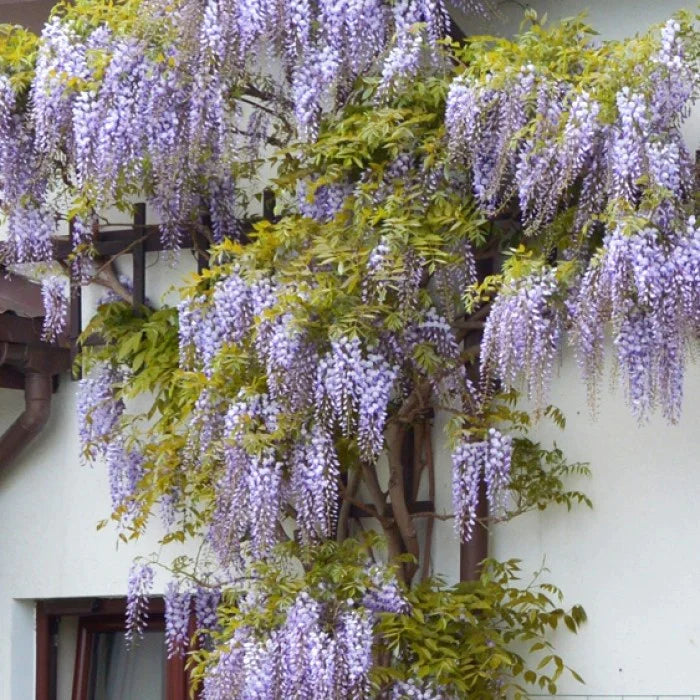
x=94, y=615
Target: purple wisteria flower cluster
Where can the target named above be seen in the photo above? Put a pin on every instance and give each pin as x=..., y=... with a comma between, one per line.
x=353, y=390
x=314, y=484
x=183, y=606
x=178, y=608
x=140, y=583
x=385, y=595
x=31, y=218
x=346, y=389
x=131, y=113
x=647, y=286
x=252, y=493
x=206, y=604
x=536, y=135
x=522, y=333
x=323, y=202
x=487, y=461
x=532, y=139
x=125, y=470
x=318, y=652
x=415, y=690
x=643, y=285
x=99, y=410
x=248, y=501
x=55, y=300
x=99, y=413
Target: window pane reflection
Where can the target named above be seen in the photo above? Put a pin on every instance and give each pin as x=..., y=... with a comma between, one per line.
x=118, y=672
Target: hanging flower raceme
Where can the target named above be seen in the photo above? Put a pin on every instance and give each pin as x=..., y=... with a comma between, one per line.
x=323, y=202
x=206, y=604
x=314, y=484
x=248, y=505
x=177, y=619
x=355, y=391
x=31, y=221
x=646, y=285
x=472, y=462
x=140, y=584
x=125, y=470
x=435, y=329
x=248, y=497
x=55, y=300
x=99, y=410
x=385, y=594
x=522, y=334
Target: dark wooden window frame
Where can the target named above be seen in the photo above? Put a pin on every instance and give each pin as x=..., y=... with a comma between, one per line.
x=94, y=615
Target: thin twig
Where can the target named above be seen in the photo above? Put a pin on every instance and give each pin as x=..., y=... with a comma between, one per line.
x=131, y=245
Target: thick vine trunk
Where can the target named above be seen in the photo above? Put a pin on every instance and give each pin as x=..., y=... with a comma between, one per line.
x=389, y=526
x=395, y=435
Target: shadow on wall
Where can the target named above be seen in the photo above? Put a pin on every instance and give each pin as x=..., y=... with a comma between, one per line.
x=29, y=13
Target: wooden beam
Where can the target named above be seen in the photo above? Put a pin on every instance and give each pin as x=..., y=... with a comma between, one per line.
x=268, y=204
x=46, y=654
x=138, y=255
x=112, y=242
x=10, y=378
x=85, y=607
x=473, y=553
x=17, y=329
x=20, y=295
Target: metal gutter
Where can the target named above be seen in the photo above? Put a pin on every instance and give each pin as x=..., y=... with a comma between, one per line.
x=37, y=409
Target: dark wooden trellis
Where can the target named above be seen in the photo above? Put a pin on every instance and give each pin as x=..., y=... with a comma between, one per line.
x=136, y=241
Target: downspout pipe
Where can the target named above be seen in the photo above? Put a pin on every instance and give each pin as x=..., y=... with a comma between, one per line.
x=38, y=388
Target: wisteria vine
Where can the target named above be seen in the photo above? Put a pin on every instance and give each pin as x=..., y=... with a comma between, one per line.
x=442, y=232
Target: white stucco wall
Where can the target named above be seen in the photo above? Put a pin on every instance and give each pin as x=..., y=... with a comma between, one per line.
x=632, y=561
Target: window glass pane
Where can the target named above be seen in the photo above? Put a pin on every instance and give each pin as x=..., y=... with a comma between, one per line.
x=118, y=671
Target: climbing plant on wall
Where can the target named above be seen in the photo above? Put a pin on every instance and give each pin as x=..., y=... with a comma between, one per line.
x=449, y=214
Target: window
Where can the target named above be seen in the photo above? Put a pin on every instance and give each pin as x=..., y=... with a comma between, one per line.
x=82, y=654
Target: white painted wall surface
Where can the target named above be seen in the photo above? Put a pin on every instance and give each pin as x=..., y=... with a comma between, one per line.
x=632, y=562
